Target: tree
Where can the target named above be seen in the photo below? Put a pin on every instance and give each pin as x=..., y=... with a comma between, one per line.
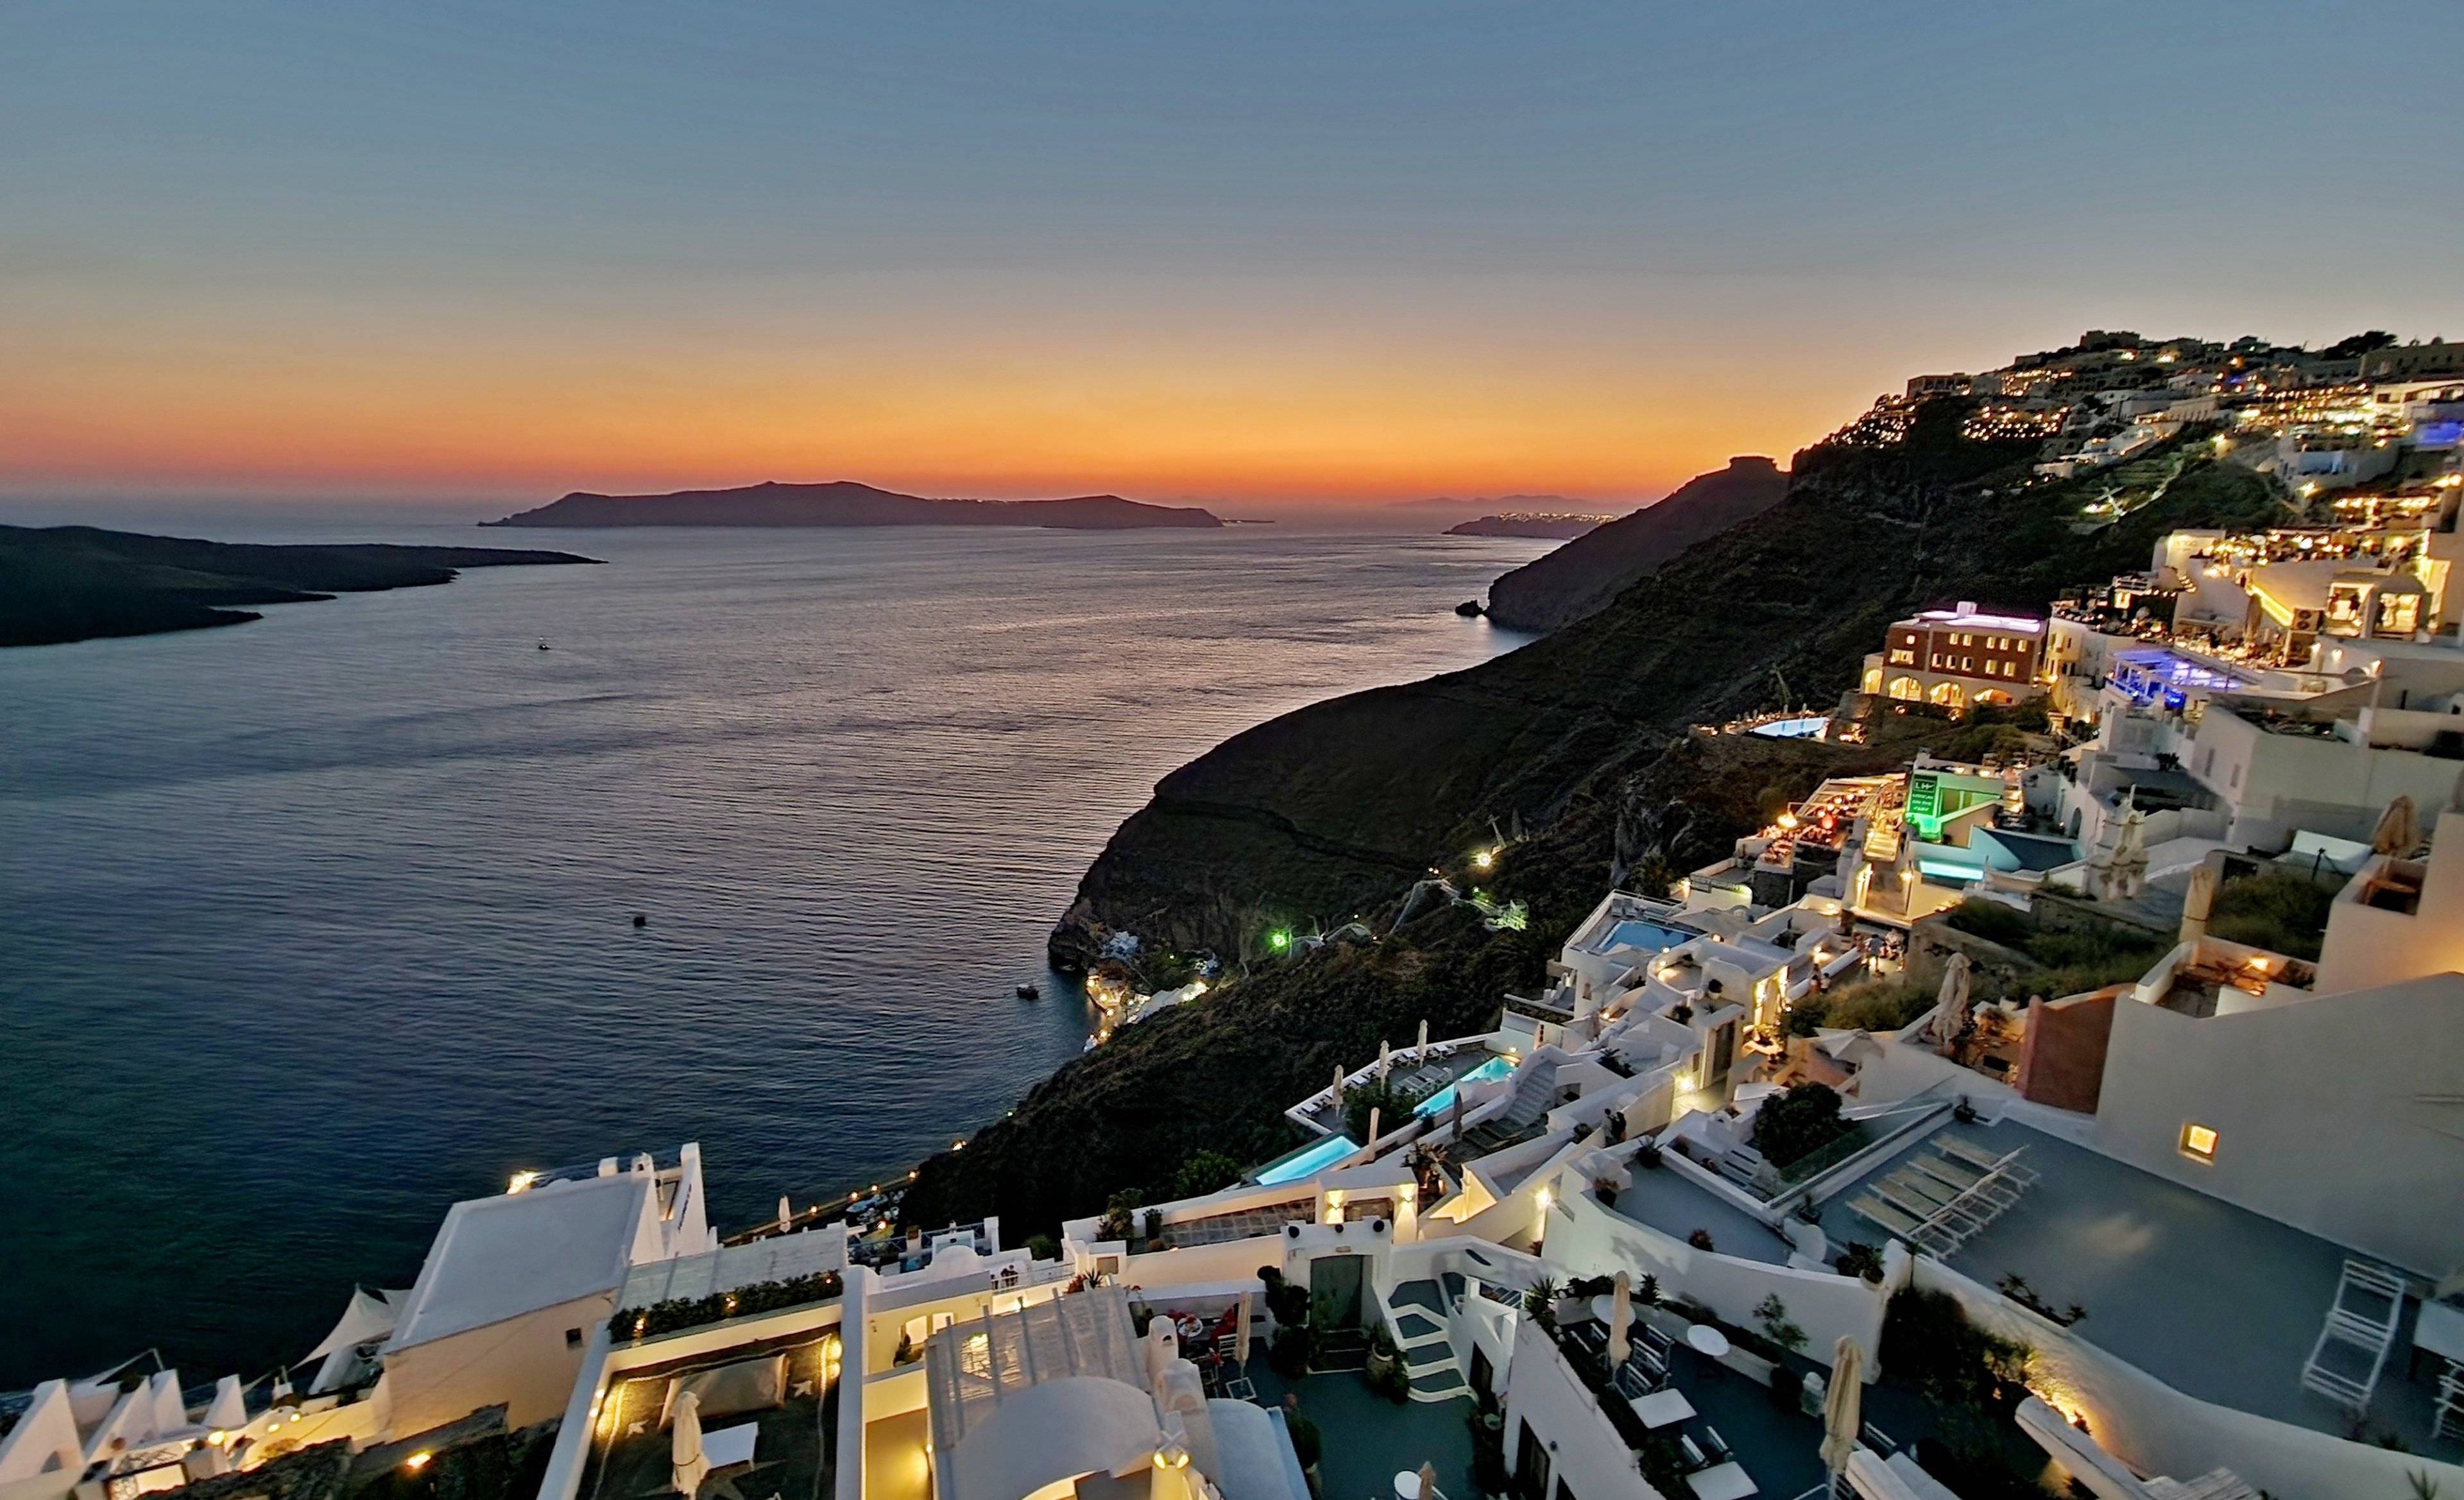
x=1772, y=1314
x=1793, y=1125
x=1393, y=1102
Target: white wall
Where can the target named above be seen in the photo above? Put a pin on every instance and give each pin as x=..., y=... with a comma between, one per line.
x=2277, y=782
x=524, y=1363
x=2336, y=1116
x=1584, y=1450
x=1586, y=1239
x=2158, y=1430
x=2366, y=945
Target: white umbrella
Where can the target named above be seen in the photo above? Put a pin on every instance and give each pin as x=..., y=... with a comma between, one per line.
x=229, y=1411
x=1428, y=1482
x=684, y=1444
x=1385, y=1059
x=1620, y=1318
x=1425, y=1035
x=1843, y=1404
x=2197, y=903
x=2396, y=834
x=1950, y=1012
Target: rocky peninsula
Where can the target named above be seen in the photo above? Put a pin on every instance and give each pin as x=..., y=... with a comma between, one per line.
x=62, y=584
x=843, y=502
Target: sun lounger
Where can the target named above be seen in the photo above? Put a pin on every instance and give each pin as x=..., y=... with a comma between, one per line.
x=1886, y=1216
x=1915, y=1185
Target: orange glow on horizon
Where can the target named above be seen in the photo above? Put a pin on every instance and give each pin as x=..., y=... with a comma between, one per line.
x=1240, y=431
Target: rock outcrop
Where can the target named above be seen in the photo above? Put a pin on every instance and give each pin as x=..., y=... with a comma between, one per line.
x=1581, y=576
x=843, y=502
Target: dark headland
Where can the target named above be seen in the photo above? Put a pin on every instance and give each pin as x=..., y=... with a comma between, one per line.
x=843, y=502
x=61, y=584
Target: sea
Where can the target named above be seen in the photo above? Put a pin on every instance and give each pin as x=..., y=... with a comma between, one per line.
x=312, y=926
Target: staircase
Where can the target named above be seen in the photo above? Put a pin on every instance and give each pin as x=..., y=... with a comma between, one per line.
x=1346, y=1348
x=1416, y=1311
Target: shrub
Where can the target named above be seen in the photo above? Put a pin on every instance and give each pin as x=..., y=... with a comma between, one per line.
x=1771, y=1315
x=1117, y=1212
x=1540, y=1301
x=1701, y=1240
x=768, y=1296
x=1857, y=1258
x=1879, y=1005
x=1991, y=922
x=1288, y=1356
x=1393, y=1101
x=1928, y=1340
x=1042, y=1246
x=2283, y=910
x=1204, y=1173
x=1795, y=1124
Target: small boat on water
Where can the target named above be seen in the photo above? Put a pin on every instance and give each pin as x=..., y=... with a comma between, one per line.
x=1030, y=991
x=544, y=643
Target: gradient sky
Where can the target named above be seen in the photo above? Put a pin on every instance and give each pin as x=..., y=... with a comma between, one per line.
x=1264, y=252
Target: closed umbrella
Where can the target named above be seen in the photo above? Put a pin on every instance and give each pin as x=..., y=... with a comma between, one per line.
x=1950, y=1013
x=2198, y=903
x=1620, y=1318
x=1428, y=1482
x=2396, y=833
x=1843, y=1404
x=684, y=1444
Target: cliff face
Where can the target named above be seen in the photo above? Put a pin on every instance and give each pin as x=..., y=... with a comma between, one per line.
x=1575, y=747
x=1583, y=576
x=845, y=503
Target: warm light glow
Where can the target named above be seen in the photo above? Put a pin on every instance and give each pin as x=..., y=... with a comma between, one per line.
x=1485, y=858
x=1543, y=1198
x=521, y=1180
x=417, y=1461
x=1788, y=820
x=2199, y=1141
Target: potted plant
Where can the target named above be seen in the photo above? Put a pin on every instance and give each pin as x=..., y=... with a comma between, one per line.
x=1383, y=1356
x=1540, y=1301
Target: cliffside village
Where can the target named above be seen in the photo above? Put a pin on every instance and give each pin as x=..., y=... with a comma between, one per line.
x=1807, y=1175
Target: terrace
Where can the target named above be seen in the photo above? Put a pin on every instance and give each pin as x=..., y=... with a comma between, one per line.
x=1669, y=1202
x=1368, y=1439
x=782, y=1389
x=2220, y=1303
x=1431, y=1074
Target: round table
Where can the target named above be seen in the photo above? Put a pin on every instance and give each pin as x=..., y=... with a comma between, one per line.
x=1603, y=1306
x=1705, y=1339
x=1407, y=1484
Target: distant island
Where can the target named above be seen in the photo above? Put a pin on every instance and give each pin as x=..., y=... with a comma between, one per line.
x=843, y=502
x=1556, y=526
x=62, y=584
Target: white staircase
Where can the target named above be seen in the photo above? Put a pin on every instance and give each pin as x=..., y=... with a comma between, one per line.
x=1416, y=1313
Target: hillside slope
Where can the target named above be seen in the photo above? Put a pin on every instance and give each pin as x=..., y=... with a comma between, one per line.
x=1582, y=576
x=1578, y=739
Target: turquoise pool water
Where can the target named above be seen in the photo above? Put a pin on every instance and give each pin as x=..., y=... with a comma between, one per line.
x=1309, y=1160
x=1444, y=1098
x=1636, y=932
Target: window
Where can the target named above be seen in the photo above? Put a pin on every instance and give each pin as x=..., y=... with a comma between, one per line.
x=573, y=1338
x=2199, y=1142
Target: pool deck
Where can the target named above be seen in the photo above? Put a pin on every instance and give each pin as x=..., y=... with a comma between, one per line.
x=1676, y=1206
x=2220, y=1303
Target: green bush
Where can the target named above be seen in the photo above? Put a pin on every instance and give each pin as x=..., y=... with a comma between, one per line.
x=1876, y=1005
x=2283, y=910
x=1392, y=1100
x=1204, y=1173
x=1991, y=922
x=1797, y=1123
x=768, y=1296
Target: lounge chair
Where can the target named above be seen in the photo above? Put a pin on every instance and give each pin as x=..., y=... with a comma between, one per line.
x=1886, y=1216
x=1715, y=1445
x=1694, y=1458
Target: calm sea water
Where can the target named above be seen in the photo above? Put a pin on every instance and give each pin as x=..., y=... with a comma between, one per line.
x=311, y=926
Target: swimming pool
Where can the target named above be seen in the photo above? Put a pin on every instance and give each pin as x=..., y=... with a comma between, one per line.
x=1637, y=932
x=1309, y=1160
x=1444, y=1098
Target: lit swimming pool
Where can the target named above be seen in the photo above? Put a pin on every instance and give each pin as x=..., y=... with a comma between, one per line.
x=1444, y=1098
x=1636, y=932
x=1309, y=1162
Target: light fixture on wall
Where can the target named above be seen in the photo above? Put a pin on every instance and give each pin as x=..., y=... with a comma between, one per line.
x=2199, y=1142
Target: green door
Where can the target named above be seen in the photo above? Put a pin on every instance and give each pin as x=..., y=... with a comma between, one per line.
x=1334, y=1290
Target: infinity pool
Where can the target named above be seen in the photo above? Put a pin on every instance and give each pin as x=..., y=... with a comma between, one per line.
x=1310, y=1162
x=1444, y=1098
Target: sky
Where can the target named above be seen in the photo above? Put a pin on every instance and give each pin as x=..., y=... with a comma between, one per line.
x=1278, y=255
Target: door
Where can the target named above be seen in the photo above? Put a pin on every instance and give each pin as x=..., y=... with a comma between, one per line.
x=1334, y=1290
x=1483, y=1373
x=1530, y=1466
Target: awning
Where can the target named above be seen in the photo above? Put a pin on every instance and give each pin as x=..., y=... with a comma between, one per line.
x=370, y=1316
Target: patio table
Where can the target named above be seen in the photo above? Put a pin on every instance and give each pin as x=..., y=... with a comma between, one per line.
x=1660, y=1408
x=1721, y=1482
x=1705, y=1339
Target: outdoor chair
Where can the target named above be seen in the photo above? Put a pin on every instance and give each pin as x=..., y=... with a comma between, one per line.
x=1657, y=1342
x=1715, y=1445
x=1694, y=1458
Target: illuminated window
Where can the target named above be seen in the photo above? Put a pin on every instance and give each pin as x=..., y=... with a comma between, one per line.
x=2199, y=1142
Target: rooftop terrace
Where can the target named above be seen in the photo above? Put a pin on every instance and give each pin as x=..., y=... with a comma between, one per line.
x=2218, y=1302
x=781, y=1388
